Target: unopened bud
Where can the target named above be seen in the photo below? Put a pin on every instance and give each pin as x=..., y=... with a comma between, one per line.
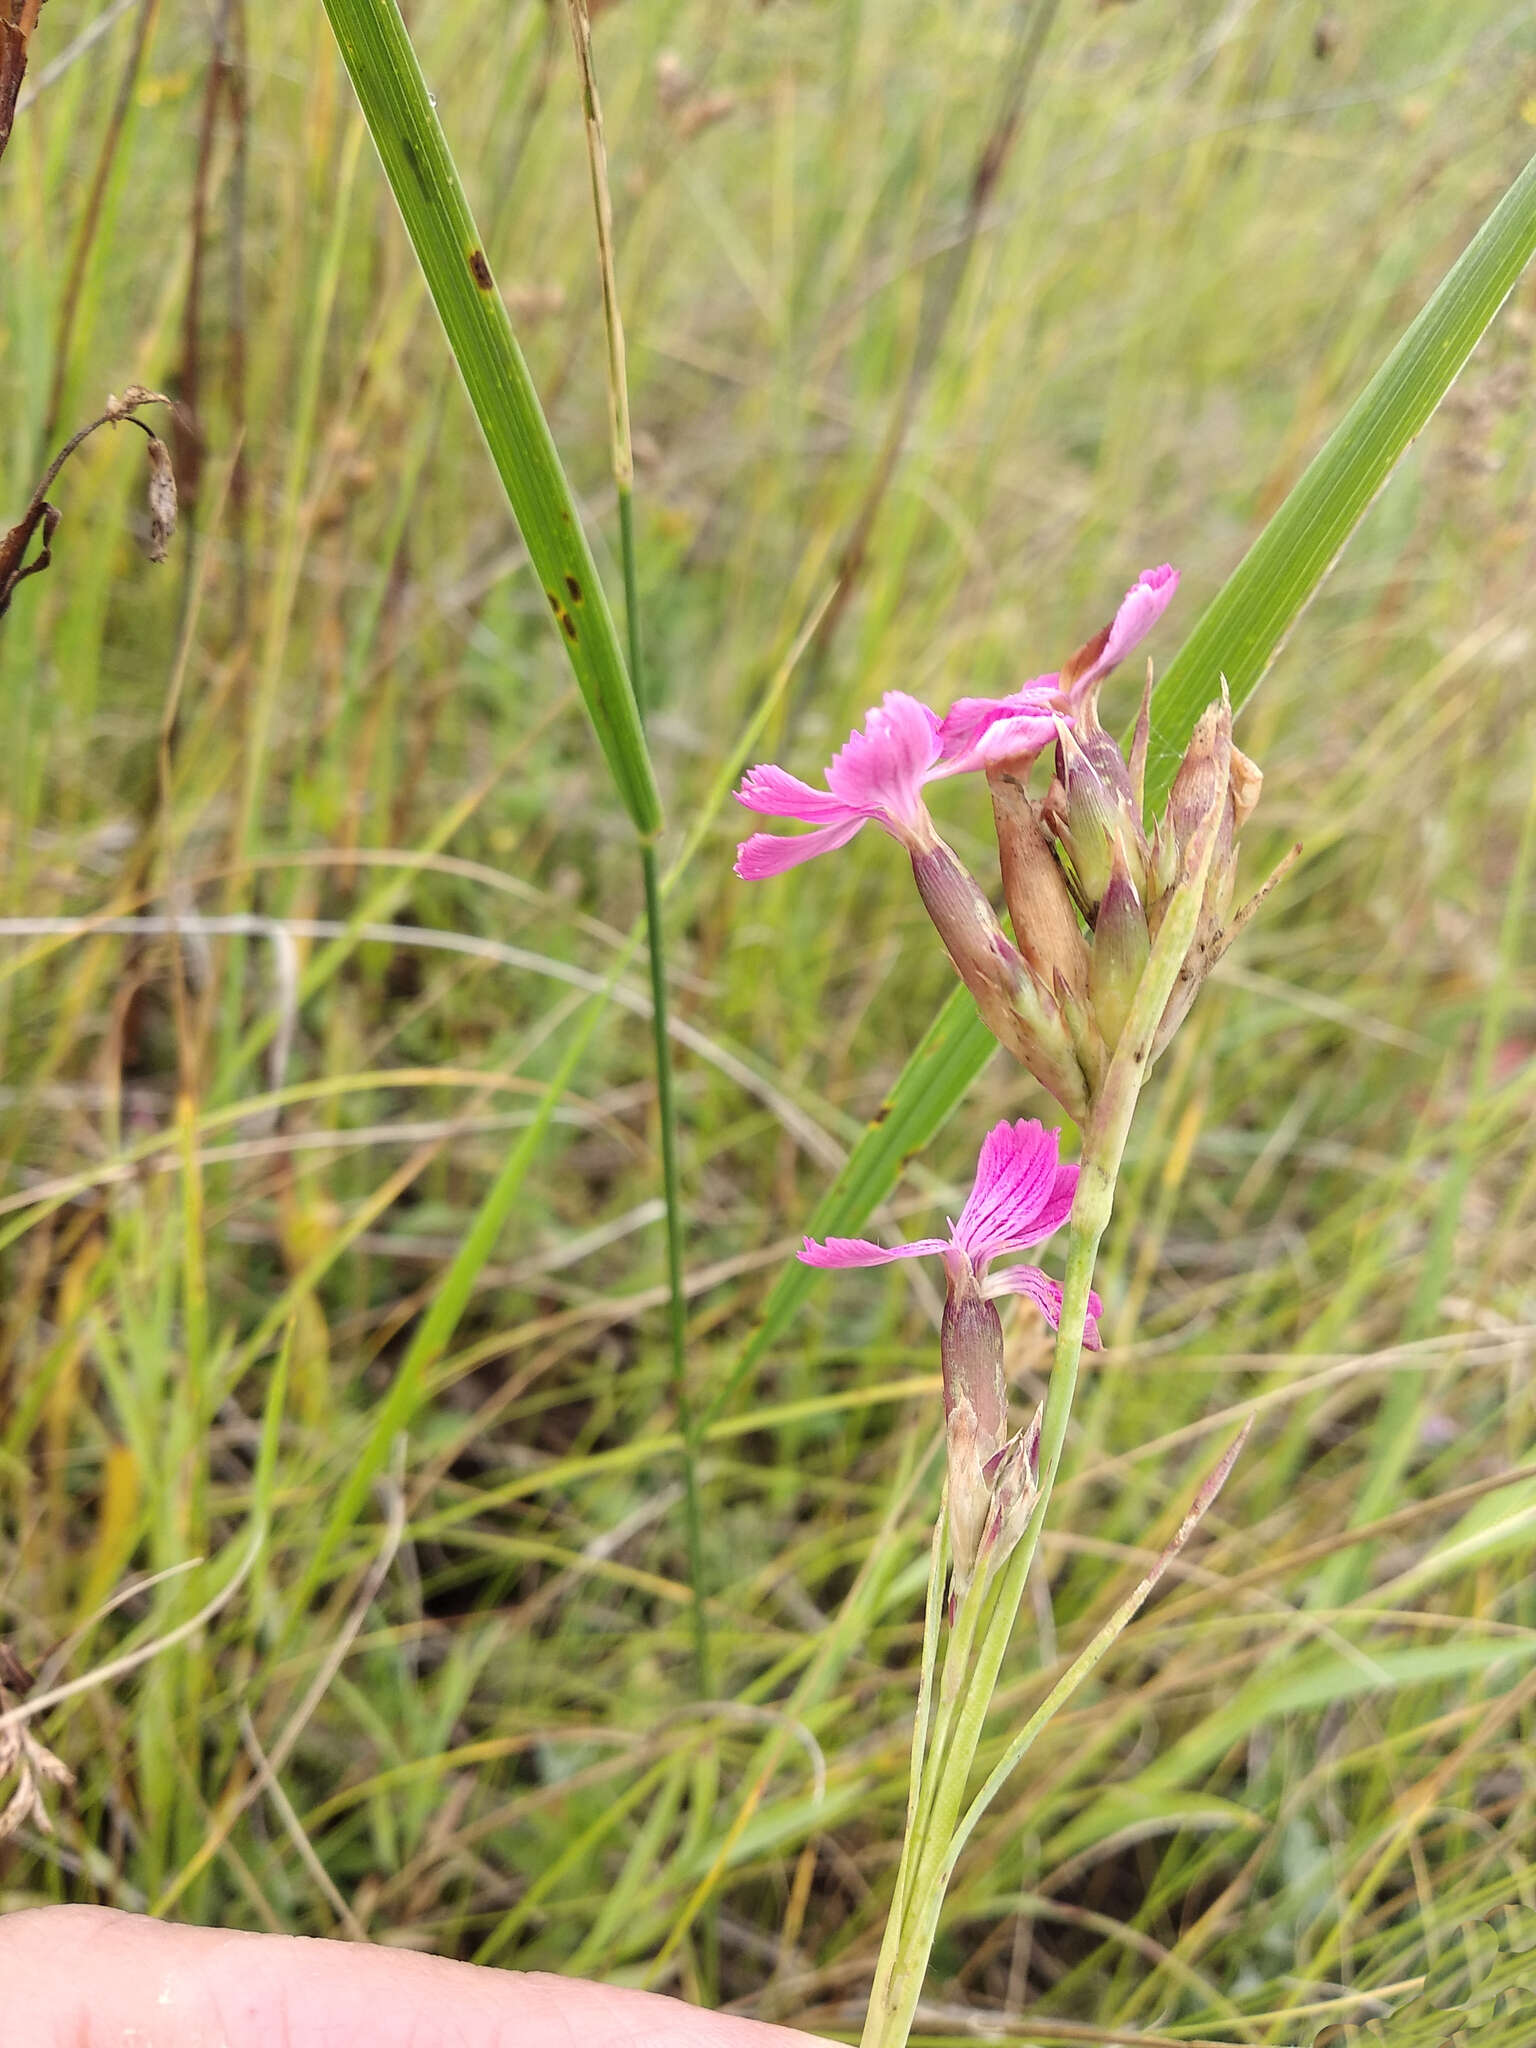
x=1212, y=797
x=1092, y=809
x=1045, y=922
x=1087, y=1039
x=1201, y=780
x=975, y=1413
x=1121, y=944
x=971, y=1352
x=1015, y=1007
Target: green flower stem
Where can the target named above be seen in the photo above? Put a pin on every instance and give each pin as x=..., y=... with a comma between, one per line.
x=991, y=1604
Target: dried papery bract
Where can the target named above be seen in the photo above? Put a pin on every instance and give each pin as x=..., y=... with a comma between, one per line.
x=22, y=1757
x=1123, y=883
x=1215, y=776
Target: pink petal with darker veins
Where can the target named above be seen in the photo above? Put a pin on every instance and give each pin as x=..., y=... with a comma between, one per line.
x=1044, y=1292
x=858, y=1251
x=1018, y=1195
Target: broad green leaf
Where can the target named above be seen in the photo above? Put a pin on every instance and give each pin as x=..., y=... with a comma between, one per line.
x=1237, y=635
x=425, y=181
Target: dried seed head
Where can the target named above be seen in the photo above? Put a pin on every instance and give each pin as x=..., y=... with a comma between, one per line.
x=162, y=499
x=1215, y=791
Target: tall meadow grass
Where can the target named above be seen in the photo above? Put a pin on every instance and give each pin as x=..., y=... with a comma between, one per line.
x=372, y=1009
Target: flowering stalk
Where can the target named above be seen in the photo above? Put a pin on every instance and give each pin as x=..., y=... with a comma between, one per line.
x=1115, y=925
x=986, y=1614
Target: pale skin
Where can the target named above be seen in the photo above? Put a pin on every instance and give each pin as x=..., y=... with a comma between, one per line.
x=85, y=1977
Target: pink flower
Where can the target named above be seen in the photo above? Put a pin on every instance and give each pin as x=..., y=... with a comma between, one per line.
x=1021, y=1195
x=876, y=778
x=979, y=732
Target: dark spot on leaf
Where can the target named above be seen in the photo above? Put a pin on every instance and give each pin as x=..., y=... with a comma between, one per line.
x=480, y=268
x=881, y=1114
x=574, y=588
x=567, y=624
x=554, y=602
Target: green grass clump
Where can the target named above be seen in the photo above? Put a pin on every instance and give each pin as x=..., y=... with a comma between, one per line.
x=236, y=1166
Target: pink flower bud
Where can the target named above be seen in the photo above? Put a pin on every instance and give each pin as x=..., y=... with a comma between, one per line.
x=1121, y=944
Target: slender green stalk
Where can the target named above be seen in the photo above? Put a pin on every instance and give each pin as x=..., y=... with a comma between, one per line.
x=990, y=1607
x=677, y=1302
x=666, y=1095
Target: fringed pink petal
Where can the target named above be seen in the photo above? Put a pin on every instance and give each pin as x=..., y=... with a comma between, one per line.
x=768, y=853
x=777, y=794
x=1045, y=1293
x=858, y=1251
x=1140, y=609
x=881, y=770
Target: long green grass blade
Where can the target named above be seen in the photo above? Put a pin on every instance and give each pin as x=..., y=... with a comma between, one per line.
x=1237, y=635
x=425, y=181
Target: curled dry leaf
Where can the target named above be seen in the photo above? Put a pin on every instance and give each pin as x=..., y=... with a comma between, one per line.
x=18, y=18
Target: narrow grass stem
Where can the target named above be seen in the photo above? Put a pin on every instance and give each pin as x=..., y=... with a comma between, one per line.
x=622, y=454
x=677, y=1301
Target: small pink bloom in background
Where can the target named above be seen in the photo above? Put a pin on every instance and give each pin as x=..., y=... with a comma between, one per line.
x=1022, y=1194
x=877, y=778
x=978, y=732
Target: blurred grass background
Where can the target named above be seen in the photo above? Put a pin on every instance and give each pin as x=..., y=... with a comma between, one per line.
x=234, y=1166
